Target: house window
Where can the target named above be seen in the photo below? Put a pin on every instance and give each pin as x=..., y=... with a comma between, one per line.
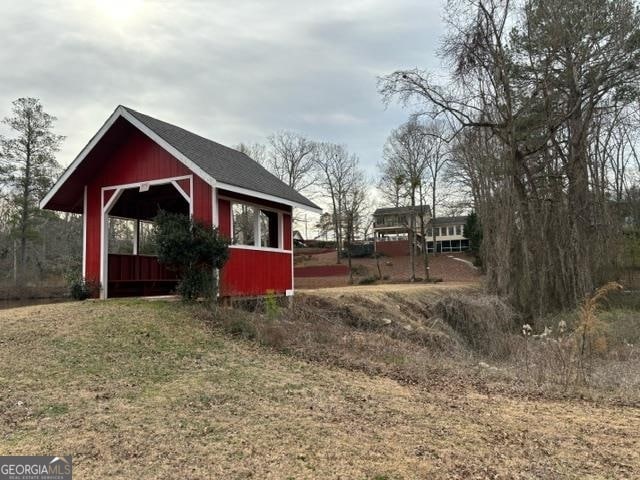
x=268, y=229
x=451, y=231
x=458, y=229
x=429, y=232
x=147, y=245
x=255, y=227
x=121, y=235
x=244, y=224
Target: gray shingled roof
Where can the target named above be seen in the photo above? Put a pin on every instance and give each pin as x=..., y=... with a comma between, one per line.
x=224, y=164
x=401, y=210
x=450, y=220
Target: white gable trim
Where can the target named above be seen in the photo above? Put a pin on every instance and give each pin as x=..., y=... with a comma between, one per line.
x=168, y=147
x=122, y=112
x=81, y=156
x=266, y=196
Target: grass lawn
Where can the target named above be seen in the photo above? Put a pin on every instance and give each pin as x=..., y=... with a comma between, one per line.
x=136, y=389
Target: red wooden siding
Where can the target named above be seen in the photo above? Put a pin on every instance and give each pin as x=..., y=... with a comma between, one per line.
x=252, y=271
x=107, y=196
x=94, y=215
x=286, y=231
x=137, y=267
x=138, y=159
x=256, y=272
x=224, y=217
x=202, y=201
x=185, y=184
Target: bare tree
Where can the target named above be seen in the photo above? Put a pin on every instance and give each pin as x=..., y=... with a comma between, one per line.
x=405, y=155
x=436, y=134
x=336, y=169
x=529, y=82
x=354, y=210
x=255, y=151
x=392, y=183
x=291, y=159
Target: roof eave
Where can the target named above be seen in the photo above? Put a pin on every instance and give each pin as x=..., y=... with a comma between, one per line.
x=81, y=156
x=121, y=111
x=266, y=196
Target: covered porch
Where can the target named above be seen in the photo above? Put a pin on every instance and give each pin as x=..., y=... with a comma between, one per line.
x=131, y=267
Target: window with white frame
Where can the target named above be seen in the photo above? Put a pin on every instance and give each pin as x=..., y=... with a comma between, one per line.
x=254, y=226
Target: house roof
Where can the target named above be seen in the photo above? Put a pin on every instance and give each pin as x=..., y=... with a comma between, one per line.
x=217, y=164
x=402, y=210
x=224, y=164
x=462, y=219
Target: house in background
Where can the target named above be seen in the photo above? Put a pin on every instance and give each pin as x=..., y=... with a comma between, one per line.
x=392, y=226
x=136, y=165
x=449, y=234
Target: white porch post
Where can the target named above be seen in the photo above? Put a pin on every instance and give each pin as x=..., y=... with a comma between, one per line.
x=136, y=236
x=104, y=240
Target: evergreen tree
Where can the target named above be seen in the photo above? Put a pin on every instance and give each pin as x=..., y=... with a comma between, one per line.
x=28, y=168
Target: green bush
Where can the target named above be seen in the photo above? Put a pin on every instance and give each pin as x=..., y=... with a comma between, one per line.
x=80, y=288
x=194, y=250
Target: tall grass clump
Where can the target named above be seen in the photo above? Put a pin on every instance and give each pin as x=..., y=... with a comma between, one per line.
x=565, y=351
x=485, y=323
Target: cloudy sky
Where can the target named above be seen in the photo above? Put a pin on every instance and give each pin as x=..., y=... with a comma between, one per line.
x=233, y=71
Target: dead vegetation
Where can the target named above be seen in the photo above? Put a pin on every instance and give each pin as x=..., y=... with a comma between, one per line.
x=426, y=337
x=335, y=387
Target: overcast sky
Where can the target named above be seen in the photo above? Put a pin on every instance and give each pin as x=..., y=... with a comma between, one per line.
x=233, y=71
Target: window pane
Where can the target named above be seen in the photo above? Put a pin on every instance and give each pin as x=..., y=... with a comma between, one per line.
x=147, y=244
x=121, y=235
x=458, y=229
x=451, y=231
x=244, y=224
x=268, y=229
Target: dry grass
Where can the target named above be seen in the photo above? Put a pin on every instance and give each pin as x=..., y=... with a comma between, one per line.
x=148, y=390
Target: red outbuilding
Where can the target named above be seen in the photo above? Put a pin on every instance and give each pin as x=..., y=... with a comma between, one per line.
x=136, y=165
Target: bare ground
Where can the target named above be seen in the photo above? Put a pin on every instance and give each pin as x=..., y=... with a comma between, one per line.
x=138, y=389
x=401, y=288
x=446, y=267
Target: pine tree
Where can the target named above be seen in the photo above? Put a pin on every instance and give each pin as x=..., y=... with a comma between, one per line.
x=28, y=168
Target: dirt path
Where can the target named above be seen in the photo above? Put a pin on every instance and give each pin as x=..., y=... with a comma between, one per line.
x=392, y=287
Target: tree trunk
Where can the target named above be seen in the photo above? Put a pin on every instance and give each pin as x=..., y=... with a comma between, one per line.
x=411, y=237
x=24, y=214
x=423, y=238
x=433, y=215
